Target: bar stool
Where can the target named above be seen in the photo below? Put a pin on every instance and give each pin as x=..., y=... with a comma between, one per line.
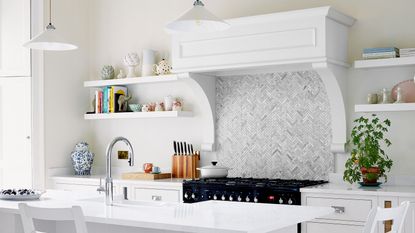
x=28, y=213
x=378, y=214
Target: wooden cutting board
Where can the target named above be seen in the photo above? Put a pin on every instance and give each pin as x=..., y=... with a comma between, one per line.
x=144, y=176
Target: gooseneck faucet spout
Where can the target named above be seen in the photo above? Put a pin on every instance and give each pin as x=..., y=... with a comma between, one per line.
x=109, y=188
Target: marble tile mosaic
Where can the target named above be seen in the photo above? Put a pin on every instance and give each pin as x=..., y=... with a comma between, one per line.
x=274, y=125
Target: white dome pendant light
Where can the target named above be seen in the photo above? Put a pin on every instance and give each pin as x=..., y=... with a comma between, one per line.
x=50, y=39
x=197, y=20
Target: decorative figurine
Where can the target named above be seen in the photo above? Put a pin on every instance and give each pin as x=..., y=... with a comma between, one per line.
x=82, y=159
x=145, y=108
x=123, y=103
x=177, y=105
x=107, y=72
x=162, y=68
x=121, y=74
x=159, y=107
x=131, y=60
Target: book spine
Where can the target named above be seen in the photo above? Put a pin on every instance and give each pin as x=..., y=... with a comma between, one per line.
x=112, y=99
x=107, y=99
x=380, y=50
x=96, y=101
x=100, y=102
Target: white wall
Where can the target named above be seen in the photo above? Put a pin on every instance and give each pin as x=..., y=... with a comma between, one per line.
x=115, y=28
x=64, y=73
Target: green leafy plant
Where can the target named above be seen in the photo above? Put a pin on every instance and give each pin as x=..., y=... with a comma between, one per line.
x=367, y=138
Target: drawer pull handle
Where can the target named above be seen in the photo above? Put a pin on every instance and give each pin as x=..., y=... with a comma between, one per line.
x=156, y=198
x=338, y=209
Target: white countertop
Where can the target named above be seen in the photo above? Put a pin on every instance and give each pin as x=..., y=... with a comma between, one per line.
x=210, y=216
x=382, y=190
x=175, y=182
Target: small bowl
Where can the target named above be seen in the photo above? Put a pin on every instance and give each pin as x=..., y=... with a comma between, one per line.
x=135, y=107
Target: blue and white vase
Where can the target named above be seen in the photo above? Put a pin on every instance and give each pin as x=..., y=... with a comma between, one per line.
x=82, y=159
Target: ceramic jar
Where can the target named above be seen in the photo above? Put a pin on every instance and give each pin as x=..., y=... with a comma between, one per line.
x=159, y=107
x=168, y=102
x=177, y=106
x=82, y=159
x=149, y=59
x=145, y=108
x=372, y=98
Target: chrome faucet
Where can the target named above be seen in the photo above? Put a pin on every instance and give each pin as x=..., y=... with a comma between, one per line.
x=109, y=188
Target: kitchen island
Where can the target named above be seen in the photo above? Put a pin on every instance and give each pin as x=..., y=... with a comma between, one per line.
x=128, y=217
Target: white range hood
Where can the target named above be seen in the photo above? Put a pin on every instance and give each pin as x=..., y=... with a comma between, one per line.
x=311, y=39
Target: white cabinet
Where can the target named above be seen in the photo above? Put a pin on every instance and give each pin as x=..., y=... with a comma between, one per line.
x=350, y=214
x=352, y=211
x=14, y=32
x=155, y=194
x=136, y=190
x=315, y=227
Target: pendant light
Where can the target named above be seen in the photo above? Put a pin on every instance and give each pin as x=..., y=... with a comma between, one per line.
x=50, y=39
x=197, y=20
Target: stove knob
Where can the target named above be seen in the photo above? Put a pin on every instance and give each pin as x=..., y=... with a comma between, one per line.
x=231, y=198
x=223, y=197
x=186, y=196
x=290, y=202
x=239, y=198
x=247, y=199
x=280, y=201
x=193, y=196
x=255, y=199
x=215, y=197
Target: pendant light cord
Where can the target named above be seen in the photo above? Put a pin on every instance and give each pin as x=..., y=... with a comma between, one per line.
x=50, y=25
x=50, y=11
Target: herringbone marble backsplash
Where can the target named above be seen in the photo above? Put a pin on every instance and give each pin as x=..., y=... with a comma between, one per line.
x=274, y=126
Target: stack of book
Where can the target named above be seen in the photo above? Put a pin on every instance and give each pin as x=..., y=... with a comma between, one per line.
x=378, y=53
x=407, y=52
x=106, y=99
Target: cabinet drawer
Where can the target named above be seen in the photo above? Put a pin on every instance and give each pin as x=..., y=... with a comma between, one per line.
x=149, y=194
x=347, y=209
x=75, y=187
x=313, y=227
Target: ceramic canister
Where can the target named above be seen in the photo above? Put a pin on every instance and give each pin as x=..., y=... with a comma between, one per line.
x=168, y=103
x=149, y=59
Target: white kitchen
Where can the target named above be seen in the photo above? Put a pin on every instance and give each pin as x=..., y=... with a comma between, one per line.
x=231, y=116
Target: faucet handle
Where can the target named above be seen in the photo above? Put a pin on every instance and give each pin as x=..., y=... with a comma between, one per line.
x=100, y=188
x=130, y=159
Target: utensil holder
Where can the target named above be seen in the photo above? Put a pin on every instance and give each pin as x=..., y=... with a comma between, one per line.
x=184, y=166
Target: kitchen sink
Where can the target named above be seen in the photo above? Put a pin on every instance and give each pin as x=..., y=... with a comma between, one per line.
x=118, y=201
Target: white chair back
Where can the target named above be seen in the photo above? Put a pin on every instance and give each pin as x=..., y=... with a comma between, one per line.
x=28, y=213
x=397, y=215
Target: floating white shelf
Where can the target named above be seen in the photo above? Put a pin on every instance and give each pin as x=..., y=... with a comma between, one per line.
x=131, y=81
x=389, y=62
x=131, y=115
x=385, y=107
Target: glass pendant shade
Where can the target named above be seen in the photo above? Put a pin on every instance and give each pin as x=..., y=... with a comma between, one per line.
x=197, y=20
x=49, y=40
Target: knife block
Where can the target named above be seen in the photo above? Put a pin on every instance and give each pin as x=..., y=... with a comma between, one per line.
x=184, y=166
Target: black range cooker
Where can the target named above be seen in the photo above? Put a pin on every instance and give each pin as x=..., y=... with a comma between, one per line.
x=273, y=191
x=276, y=191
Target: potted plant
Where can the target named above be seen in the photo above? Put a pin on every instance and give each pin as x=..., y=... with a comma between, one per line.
x=368, y=160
